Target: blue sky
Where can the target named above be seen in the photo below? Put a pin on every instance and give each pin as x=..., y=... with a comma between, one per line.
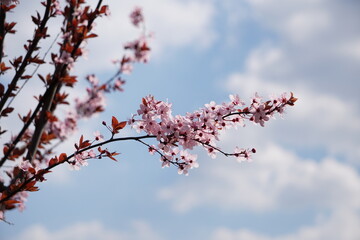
x=304, y=181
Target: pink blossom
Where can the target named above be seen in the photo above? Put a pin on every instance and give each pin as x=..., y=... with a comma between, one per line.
x=256, y=99
x=65, y=58
x=118, y=84
x=93, y=103
x=165, y=162
x=211, y=152
x=141, y=51
x=259, y=115
x=202, y=127
x=183, y=169
x=62, y=129
x=152, y=149
x=22, y=198
x=9, y=2
x=57, y=7
x=126, y=68
x=98, y=136
x=91, y=154
x=136, y=16
x=94, y=81
x=79, y=159
x=235, y=99
x=25, y=165
x=78, y=12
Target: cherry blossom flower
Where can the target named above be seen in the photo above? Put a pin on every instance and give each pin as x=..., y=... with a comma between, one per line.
x=57, y=6
x=136, y=16
x=62, y=129
x=25, y=165
x=79, y=159
x=152, y=149
x=126, y=68
x=235, y=99
x=93, y=103
x=98, y=136
x=140, y=48
x=9, y=2
x=118, y=84
x=259, y=115
x=21, y=197
x=65, y=58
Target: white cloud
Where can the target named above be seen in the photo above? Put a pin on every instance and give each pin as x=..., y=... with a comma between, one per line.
x=299, y=20
x=316, y=118
x=340, y=225
x=92, y=230
x=307, y=25
x=175, y=23
x=278, y=179
x=318, y=42
x=315, y=55
x=351, y=49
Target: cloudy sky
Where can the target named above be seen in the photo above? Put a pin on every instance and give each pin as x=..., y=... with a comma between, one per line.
x=304, y=180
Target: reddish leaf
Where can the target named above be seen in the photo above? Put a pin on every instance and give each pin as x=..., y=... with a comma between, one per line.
x=31, y=187
x=116, y=125
x=16, y=62
x=26, y=77
x=42, y=78
x=35, y=20
x=3, y=67
x=5, y=149
x=144, y=101
x=114, y=121
x=11, y=203
x=53, y=161
x=62, y=157
x=104, y=8
x=6, y=111
x=110, y=155
x=69, y=80
x=36, y=60
x=92, y=35
x=50, y=117
x=25, y=118
x=82, y=143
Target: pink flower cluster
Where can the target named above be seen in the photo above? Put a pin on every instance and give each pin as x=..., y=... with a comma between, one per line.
x=62, y=129
x=80, y=159
x=201, y=127
x=9, y=2
x=58, y=9
x=140, y=53
x=136, y=16
x=65, y=58
x=94, y=101
x=140, y=50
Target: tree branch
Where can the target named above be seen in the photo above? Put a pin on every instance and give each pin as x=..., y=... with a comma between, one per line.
x=10, y=192
x=25, y=62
